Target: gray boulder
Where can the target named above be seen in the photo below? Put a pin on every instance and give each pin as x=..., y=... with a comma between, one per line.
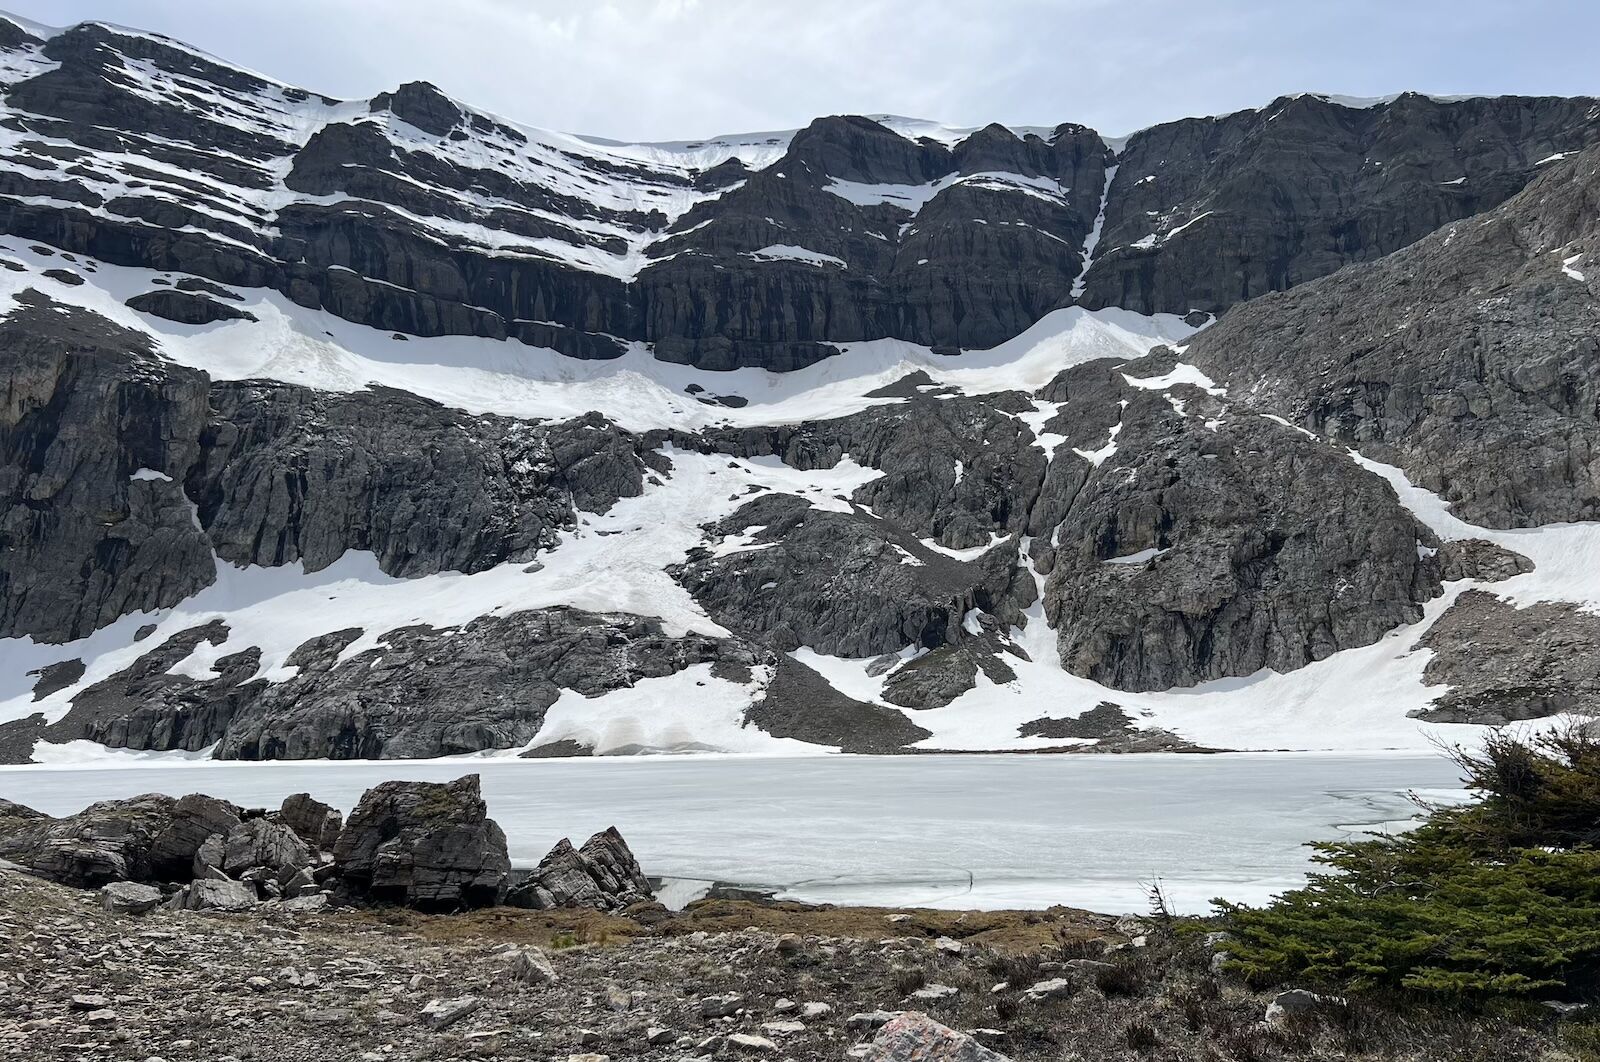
x=1295, y=1003
x=603, y=874
x=262, y=843
x=150, y=838
x=129, y=897
x=211, y=894
x=425, y=845
x=315, y=823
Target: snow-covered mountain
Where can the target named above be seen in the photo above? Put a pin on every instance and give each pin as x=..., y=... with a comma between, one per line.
x=390, y=428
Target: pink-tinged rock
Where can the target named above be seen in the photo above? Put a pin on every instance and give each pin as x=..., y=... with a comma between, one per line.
x=915, y=1037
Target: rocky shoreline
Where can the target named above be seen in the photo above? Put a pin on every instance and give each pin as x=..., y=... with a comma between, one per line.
x=402, y=933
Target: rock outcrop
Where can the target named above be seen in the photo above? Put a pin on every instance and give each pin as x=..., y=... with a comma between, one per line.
x=603, y=874
x=846, y=230
x=1468, y=359
x=1504, y=663
x=420, y=692
x=148, y=839
x=426, y=845
x=96, y=434
x=1205, y=213
x=1204, y=546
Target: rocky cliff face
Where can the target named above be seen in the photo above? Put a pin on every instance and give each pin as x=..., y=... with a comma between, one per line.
x=1468, y=358
x=411, y=212
x=95, y=525
x=388, y=429
x=1208, y=212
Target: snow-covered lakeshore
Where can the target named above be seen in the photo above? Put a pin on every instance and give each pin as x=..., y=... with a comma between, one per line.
x=980, y=832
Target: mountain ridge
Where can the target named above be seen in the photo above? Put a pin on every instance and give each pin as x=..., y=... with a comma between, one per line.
x=848, y=451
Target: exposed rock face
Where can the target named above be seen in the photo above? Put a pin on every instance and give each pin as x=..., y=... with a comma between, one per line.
x=936, y=679
x=288, y=474
x=1107, y=728
x=1203, y=548
x=187, y=307
x=953, y=245
x=1175, y=532
x=97, y=425
x=846, y=584
x=1504, y=663
x=146, y=839
x=956, y=469
x=1474, y=558
x=602, y=874
x=424, y=845
x=88, y=405
x=420, y=692
x=1468, y=359
x=911, y=264
x=1208, y=212
x=800, y=704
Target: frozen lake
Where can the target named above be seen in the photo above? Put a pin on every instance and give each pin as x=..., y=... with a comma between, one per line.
x=937, y=831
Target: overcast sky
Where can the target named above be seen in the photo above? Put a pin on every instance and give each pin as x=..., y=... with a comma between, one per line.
x=678, y=69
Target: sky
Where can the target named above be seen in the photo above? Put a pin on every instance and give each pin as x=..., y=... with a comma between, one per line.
x=681, y=69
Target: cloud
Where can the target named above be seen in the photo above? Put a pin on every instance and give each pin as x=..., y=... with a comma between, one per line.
x=670, y=69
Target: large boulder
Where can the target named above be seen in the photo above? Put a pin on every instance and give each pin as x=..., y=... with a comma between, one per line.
x=602, y=874
x=215, y=894
x=129, y=897
x=316, y=823
x=148, y=838
x=426, y=845
x=915, y=1037
x=263, y=843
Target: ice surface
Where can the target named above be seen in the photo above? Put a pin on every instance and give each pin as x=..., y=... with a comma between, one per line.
x=941, y=831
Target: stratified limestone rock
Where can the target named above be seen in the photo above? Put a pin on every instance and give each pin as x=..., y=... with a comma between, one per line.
x=150, y=838
x=262, y=843
x=603, y=874
x=1469, y=359
x=1208, y=212
x=316, y=823
x=88, y=404
x=129, y=897
x=425, y=845
x=186, y=307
